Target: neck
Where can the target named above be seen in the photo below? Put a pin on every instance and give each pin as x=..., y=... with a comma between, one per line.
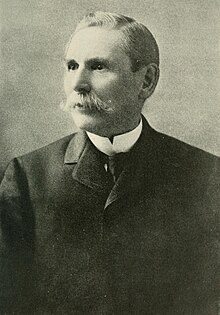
x=120, y=131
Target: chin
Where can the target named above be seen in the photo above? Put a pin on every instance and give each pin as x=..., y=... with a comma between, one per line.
x=91, y=122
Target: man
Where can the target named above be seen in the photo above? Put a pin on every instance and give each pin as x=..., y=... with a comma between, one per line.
x=117, y=218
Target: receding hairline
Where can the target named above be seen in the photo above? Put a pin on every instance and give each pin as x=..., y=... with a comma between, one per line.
x=104, y=19
x=137, y=39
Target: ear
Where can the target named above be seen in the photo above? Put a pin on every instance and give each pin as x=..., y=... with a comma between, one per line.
x=151, y=76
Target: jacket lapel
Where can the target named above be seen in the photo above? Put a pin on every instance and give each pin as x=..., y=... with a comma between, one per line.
x=140, y=166
x=89, y=162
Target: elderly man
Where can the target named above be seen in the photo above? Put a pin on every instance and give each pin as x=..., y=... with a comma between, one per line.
x=117, y=218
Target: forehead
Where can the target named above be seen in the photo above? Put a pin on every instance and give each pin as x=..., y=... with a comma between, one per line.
x=93, y=42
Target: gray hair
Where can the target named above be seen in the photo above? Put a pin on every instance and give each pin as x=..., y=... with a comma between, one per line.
x=137, y=41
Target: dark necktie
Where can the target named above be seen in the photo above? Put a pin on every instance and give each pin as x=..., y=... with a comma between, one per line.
x=115, y=165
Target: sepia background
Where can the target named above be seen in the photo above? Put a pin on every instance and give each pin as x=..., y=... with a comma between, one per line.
x=33, y=36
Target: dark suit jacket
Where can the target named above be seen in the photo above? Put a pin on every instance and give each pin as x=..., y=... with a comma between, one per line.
x=149, y=246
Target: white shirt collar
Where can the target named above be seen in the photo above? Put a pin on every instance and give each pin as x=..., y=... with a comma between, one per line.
x=121, y=143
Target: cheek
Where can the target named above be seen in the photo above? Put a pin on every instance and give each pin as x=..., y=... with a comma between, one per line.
x=122, y=91
x=67, y=85
x=111, y=85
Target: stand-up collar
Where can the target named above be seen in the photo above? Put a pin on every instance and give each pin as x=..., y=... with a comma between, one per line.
x=121, y=143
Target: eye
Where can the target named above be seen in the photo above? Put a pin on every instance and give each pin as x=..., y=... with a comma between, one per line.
x=72, y=66
x=98, y=66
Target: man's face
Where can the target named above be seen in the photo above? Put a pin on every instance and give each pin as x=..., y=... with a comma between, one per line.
x=96, y=65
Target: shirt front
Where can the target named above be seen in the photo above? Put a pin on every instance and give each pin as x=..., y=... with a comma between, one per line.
x=121, y=143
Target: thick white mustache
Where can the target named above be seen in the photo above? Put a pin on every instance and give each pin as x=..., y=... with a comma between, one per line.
x=90, y=101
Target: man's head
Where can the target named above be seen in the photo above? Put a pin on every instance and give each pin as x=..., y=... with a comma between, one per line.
x=112, y=67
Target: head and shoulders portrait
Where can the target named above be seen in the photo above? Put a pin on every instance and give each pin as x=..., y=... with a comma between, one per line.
x=119, y=216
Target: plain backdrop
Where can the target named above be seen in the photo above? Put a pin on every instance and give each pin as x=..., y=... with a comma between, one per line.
x=33, y=36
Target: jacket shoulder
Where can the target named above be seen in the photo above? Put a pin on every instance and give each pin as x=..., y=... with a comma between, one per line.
x=173, y=150
x=178, y=150
x=54, y=149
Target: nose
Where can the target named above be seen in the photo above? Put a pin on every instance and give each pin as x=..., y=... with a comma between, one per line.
x=80, y=81
x=83, y=88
